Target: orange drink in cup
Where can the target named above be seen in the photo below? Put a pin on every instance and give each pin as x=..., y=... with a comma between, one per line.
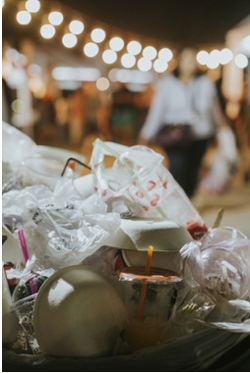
x=146, y=332
x=148, y=296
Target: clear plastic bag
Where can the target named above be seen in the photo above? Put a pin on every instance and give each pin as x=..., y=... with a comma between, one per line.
x=219, y=268
x=136, y=176
x=59, y=232
x=16, y=145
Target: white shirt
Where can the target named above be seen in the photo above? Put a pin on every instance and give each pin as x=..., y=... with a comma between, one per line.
x=175, y=102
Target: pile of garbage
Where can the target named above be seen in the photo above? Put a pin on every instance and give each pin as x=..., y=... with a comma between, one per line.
x=66, y=242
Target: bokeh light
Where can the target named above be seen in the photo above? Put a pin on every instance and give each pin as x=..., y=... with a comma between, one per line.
x=90, y=49
x=32, y=6
x=47, y=31
x=202, y=57
x=109, y=56
x=144, y=64
x=98, y=35
x=76, y=27
x=213, y=59
x=23, y=17
x=241, y=60
x=149, y=52
x=160, y=65
x=116, y=43
x=226, y=55
x=134, y=47
x=55, y=18
x=165, y=54
x=18, y=106
x=102, y=84
x=69, y=40
x=128, y=60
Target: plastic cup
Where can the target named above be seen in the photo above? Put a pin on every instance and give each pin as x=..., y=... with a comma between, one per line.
x=148, y=298
x=24, y=299
x=24, y=309
x=84, y=185
x=9, y=319
x=144, y=333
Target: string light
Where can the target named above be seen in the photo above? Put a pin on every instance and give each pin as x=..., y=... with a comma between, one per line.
x=134, y=47
x=102, y=84
x=116, y=43
x=23, y=17
x=165, y=54
x=76, y=27
x=226, y=55
x=98, y=35
x=149, y=52
x=144, y=64
x=160, y=65
x=69, y=40
x=241, y=60
x=32, y=6
x=91, y=49
x=109, y=56
x=55, y=18
x=202, y=57
x=128, y=60
x=47, y=31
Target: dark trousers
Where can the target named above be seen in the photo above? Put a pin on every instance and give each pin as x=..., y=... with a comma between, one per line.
x=185, y=164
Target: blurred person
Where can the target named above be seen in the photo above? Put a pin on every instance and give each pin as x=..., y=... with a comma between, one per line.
x=143, y=101
x=184, y=116
x=242, y=128
x=6, y=102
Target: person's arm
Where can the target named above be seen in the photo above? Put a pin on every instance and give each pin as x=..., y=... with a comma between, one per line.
x=154, y=118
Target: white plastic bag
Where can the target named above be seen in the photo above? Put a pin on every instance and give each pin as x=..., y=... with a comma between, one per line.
x=59, y=232
x=138, y=178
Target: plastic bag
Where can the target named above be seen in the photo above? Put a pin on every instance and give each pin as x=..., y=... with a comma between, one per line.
x=138, y=178
x=16, y=145
x=65, y=236
x=59, y=232
x=218, y=266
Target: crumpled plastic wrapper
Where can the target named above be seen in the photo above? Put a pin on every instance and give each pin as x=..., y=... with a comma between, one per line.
x=59, y=233
x=218, y=268
x=136, y=176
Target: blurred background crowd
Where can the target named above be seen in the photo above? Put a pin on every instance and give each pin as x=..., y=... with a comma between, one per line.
x=68, y=77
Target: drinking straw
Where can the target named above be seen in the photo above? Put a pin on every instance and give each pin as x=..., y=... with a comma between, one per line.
x=144, y=285
x=23, y=245
x=73, y=160
x=218, y=218
x=26, y=257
